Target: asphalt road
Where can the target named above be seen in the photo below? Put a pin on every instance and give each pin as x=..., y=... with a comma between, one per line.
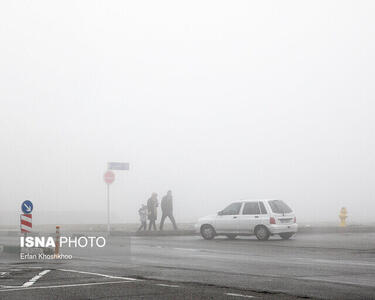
x=326, y=266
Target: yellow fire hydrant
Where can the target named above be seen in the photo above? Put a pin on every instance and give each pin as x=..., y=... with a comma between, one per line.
x=343, y=215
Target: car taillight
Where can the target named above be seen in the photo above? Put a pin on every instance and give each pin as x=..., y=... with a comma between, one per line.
x=295, y=219
x=272, y=220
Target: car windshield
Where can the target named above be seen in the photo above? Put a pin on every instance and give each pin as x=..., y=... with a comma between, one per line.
x=232, y=209
x=279, y=207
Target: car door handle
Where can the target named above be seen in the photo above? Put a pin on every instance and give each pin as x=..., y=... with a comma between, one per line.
x=256, y=216
x=234, y=217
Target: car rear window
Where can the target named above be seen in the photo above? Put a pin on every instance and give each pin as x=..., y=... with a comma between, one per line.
x=279, y=207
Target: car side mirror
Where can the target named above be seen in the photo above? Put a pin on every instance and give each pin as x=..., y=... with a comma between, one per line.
x=220, y=213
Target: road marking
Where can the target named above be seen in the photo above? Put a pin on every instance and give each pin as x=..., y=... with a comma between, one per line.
x=342, y=262
x=175, y=248
x=35, y=278
x=303, y=261
x=201, y=252
x=328, y=280
x=64, y=285
x=102, y=275
x=168, y=285
x=239, y=295
x=187, y=249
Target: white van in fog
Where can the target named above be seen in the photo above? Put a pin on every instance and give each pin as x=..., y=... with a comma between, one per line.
x=246, y=217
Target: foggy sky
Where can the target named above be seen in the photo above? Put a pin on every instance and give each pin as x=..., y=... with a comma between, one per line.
x=215, y=100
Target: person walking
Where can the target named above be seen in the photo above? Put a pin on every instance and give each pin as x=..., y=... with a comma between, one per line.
x=167, y=210
x=143, y=217
x=152, y=205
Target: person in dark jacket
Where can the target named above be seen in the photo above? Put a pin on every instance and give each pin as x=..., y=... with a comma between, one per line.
x=167, y=210
x=152, y=206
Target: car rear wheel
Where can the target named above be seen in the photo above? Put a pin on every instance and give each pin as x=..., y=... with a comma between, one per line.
x=208, y=232
x=262, y=233
x=286, y=235
x=231, y=236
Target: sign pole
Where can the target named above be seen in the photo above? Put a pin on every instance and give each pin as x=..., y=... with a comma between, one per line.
x=108, y=221
x=109, y=177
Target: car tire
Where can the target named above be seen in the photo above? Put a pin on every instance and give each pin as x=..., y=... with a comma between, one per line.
x=262, y=233
x=231, y=236
x=286, y=235
x=208, y=232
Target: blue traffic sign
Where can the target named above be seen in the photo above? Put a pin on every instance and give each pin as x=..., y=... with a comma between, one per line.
x=27, y=207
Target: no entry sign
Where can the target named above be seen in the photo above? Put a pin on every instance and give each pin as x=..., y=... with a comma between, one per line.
x=109, y=177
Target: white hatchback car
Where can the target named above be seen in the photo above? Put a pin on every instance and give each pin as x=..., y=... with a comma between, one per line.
x=246, y=217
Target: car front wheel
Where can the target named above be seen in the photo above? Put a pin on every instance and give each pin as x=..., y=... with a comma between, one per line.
x=208, y=232
x=262, y=233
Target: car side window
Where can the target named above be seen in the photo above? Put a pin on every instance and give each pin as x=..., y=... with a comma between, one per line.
x=232, y=209
x=251, y=208
x=262, y=208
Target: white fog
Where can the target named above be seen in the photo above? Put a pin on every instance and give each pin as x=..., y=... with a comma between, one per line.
x=215, y=102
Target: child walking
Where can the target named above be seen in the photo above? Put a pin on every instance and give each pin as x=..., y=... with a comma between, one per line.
x=143, y=217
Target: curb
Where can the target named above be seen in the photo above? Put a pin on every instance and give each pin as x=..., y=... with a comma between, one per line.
x=37, y=250
x=333, y=229
x=17, y=250
x=16, y=233
x=302, y=229
x=9, y=249
x=155, y=233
